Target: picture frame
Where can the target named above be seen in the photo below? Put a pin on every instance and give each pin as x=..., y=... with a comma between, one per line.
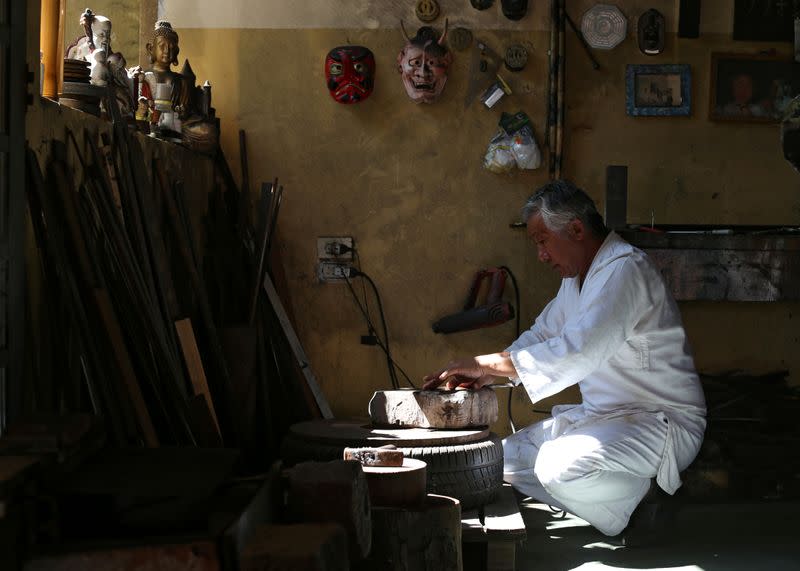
x=750, y=88
x=763, y=20
x=658, y=90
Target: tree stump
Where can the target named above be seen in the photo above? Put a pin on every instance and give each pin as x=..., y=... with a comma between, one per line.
x=332, y=492
x=426, y=538
x=397, y=486
x=433, y=409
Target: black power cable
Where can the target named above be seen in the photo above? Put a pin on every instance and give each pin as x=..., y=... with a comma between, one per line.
x=507, y=270
x=384, y=347
x=363, y=287
x=389, y=362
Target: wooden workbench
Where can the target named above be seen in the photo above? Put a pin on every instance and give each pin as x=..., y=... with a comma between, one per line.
x=499, y=525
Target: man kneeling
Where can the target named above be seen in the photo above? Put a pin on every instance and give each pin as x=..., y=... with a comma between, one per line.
x=615, y=331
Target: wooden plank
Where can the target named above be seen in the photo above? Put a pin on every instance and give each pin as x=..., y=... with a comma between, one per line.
x=194, y=364
x=198, y=415
x=217, y=359
x=502, y=519
x=122, y=357
x=471, y=527
x=297, y=349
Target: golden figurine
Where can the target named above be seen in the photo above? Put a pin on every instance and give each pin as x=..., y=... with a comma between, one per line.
x=178, y=110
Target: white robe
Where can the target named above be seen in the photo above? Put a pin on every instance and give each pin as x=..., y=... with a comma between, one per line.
x=620, y=338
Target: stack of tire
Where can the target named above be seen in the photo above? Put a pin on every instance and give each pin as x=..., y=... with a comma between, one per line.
x=463, y=464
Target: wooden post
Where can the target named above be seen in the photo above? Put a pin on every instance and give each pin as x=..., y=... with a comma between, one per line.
x=421, y=539
x=332, y=492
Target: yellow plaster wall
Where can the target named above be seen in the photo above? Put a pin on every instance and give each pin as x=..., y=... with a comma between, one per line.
x=406, y=181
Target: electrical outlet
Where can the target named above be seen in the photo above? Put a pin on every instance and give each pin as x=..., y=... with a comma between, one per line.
x=339, y=248
x=331, y=272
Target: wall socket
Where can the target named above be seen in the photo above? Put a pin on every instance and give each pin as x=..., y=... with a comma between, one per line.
x=332, y=272
x=335, y=248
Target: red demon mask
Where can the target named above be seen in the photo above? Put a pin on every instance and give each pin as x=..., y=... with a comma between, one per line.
x=350, y=73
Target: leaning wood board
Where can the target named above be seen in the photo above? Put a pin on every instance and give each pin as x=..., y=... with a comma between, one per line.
x=194, y=364
x=297, y=348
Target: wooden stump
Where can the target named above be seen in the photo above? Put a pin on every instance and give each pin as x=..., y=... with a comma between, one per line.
x=427, y=538
x=433, y=409
x=332, y=492
x=301, y=547
x=397, y=486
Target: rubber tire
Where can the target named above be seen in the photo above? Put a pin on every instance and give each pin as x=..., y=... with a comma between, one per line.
x=472, y=473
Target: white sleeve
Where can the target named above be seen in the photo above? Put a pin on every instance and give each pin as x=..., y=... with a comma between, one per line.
x=610, y=306
x=546, y=325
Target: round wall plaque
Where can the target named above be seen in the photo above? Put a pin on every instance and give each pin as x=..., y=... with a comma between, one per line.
x=460, y=39
x=427, y=10
x=604, y=26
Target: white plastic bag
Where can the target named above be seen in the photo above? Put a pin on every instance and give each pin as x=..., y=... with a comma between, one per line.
x=499, y=156
x=513, y=146
x=525, y=150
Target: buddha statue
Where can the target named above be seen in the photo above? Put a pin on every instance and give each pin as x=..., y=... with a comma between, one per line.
x=174, y=107
x=163, y=89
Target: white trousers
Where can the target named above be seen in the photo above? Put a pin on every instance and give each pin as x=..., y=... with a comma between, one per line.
x=598, y=470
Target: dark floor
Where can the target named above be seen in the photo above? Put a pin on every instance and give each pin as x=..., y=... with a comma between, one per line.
x=707, y=537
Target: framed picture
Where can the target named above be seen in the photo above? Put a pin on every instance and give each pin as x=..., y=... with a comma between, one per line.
x=658, y=90
x=764, y=20
x=750, y=88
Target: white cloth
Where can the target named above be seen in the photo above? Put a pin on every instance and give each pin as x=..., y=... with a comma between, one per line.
x=620, y=338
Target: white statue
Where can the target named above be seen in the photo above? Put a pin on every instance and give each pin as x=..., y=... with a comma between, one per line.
x=107, y=67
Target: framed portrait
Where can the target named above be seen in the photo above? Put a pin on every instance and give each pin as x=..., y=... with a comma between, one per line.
x=658, y=90
x=750, y=88
x=764, y=20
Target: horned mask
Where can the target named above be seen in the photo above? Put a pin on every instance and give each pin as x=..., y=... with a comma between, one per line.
x=423, y=64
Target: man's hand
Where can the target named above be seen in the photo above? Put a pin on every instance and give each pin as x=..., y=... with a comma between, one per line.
x=471, y=372
x=463, y=373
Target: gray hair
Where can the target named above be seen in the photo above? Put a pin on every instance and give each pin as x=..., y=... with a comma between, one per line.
x=559, y=202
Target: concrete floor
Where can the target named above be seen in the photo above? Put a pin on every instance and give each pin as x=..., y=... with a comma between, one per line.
x=705, y=537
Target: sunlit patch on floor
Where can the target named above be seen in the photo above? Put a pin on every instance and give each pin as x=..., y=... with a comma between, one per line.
x=568, y=521
x=599, y=566
x=603, y=545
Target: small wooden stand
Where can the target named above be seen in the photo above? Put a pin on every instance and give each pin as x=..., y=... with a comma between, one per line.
x=500, y=526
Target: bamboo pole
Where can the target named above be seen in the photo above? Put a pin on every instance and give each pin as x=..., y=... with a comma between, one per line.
x=561, y=81
x=552, y=86
x=48, y=45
